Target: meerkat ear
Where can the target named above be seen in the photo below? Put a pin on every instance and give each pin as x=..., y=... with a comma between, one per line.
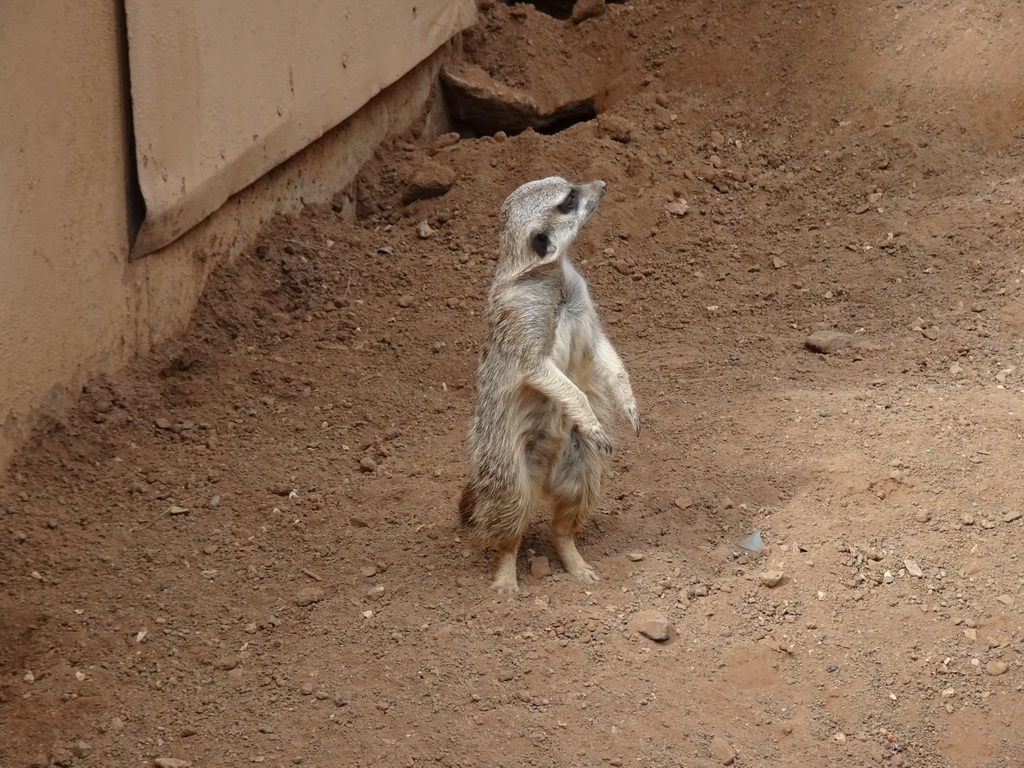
x=541, y=244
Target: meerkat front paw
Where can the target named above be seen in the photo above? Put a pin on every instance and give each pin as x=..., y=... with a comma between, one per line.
x=600, y=440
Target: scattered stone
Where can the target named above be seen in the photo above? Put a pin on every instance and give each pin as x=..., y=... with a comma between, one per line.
x=615, y=128
x=587, y=9
x=636, y=557
x=771, y=578
x=540, y=567
x=888, y=578
x=1005, y=599
x=1009, y=517
x=752, y=543
x=405, y=301
x=175, y=510
x=162, y=423
x=779, y=263
x=699, y=590
x=171, y=762
x=913, y=568
x=369, y=571
x=423, y=230
x=367, y=464
x=678, y=207
x=956, y=369
x=307, y=688
x=309, y=595
x=683, y=502
x=923, y=516
x=827, y=342
x=722, y=751
x=652, y=624
x=225, y=663
x=505, y=675
x=996, y=668
x=213, y=503
x=82, y=750
x=430, y=180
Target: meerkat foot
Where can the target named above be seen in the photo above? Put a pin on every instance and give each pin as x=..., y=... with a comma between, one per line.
x=505, y=580
x=573, y=560
x=634, y=419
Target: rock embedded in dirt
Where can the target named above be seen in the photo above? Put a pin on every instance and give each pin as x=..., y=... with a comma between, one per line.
x=540, y=567
x=913, y=568
x=722, y=751
x=652, y=624
x=430, y=180
x=367, y=464
x=162, y=423
x=480, y=101
x=587, y=9
x=405, y=301
x=996, y=668
x=636, y=557
x=683, y=502
x=615, y=128
x=171, y=762
x=827, y=342
x=309, y=595
x=771, y=578
x=82, y=750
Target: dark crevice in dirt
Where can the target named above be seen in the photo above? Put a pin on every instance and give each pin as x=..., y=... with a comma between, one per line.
x=566, y=117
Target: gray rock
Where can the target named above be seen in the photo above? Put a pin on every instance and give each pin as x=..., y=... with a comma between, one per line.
x=652, y=624
x=827, y=342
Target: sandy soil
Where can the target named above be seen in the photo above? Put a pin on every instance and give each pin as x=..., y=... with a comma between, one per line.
x=244, y=550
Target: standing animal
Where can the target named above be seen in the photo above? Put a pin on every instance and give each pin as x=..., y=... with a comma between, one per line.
x=547, y=383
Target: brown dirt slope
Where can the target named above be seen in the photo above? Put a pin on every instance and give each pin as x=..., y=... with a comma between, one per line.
x=244, y=549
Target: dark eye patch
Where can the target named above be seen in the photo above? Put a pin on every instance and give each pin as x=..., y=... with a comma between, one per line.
x=541, y=244
x=571, y=201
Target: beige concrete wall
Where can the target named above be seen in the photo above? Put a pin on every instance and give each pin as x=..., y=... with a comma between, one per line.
x=224, y=91
x=72, y=303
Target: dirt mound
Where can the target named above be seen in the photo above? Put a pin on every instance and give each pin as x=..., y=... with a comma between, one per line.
x=244, y=549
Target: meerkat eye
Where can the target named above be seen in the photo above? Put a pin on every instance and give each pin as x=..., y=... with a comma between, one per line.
x=540, y=244
x=571, y=201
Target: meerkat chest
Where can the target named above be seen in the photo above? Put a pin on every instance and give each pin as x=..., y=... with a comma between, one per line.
x=572, y=338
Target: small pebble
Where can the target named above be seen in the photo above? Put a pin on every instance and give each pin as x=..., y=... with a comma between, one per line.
x=309, y=595
x=540, y=567
x=771, y=578
x=652, y=624
x=913, y=568
x=722, y=751
x=367, y=464
x=636, y=557
x=996, y=668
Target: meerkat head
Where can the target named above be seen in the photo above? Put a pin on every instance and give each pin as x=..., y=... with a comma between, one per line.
x=541, y=218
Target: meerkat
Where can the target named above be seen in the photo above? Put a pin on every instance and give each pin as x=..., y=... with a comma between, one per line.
x=547, y=384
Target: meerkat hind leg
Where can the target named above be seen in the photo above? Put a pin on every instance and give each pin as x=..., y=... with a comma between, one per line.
x=506, y=581
x=563, y=535
x=575, y=486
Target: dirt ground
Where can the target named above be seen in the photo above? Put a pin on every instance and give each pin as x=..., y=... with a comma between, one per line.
x=244, y=549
